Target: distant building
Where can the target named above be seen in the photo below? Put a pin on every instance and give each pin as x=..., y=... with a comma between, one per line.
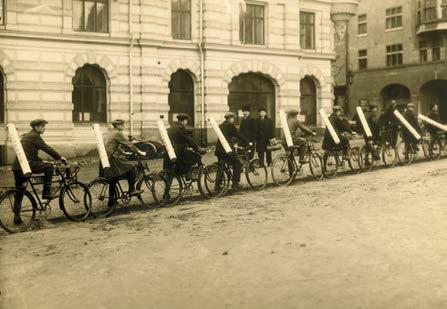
x=397, y=51
x=76, y=62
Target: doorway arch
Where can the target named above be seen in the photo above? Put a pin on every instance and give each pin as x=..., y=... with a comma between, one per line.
x=308, y=100
x=181, y=96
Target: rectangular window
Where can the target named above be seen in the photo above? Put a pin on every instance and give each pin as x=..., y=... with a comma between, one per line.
x=307, y=30
x=430, y=10
x=436, y=53
x=394, y=55
x=423, y=55
x=362, y=26
x=2, y=11
x=181, y=19
x=252, y=25
x=393, y=18
x=363, y=59
x=91, y=15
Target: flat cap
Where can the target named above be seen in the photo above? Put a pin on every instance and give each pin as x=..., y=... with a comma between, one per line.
x=117, y=122
x=372, y=106
x=412, y=105
x=246, y=108
x=229, y=115
x=292, y=112
x=262, y=109
x=38, y=122
x=337, y=108
x=182, y=116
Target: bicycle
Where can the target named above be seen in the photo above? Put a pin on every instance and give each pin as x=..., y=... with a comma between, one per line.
x=370, y=154
x=255, y=171
x=74, y=199
x=433, y=148
x=335, y=159
x=285, y=169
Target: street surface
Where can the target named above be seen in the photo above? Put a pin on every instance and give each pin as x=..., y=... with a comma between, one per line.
x=373, y=240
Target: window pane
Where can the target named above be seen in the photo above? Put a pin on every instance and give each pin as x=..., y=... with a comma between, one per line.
x=175, y=25
x=175, y=4
x=89, y=8
x=77, y=15
x=259, y=31
x=101, y=17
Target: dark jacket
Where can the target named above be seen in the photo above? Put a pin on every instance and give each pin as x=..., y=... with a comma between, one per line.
x=116, y=145
x=373, y=123
x=265, y=132
x=32, y=142
x=249, y=129
x=430, y=128
x=340, y=126
x=297, y=130
x=231, y=134
x=180, y=138
x=388, y=120
x=413, y=121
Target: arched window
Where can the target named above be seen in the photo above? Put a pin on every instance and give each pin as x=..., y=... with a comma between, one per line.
x=2, y=97
x=181, y=96
x=308, y=100
x=89, y=95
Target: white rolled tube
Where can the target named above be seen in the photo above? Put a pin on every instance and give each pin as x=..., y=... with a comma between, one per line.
x=432, y=122
x=18, y=148
x=285, y=128
x=364, y=122
x=329, y=126
x=101, y=147
x=407, y=125
x=166, y=140
x=220, y=135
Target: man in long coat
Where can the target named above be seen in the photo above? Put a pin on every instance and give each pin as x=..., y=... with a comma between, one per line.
x=248, y=127
x=340, y=127
x=265, y=128
x=116, y=146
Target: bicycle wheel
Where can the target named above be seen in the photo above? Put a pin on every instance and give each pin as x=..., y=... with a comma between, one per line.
x=330, y=163
x=316, y=166
x=354, y=159
x=283, y=170
x=425, y=147
x=390, y=156
x=167, y=188
x=366, y=159
x=406, y=156
x=20, y=220
x=435, y=151
x=144, y=183
x=75, y=201
x=212, y=181
x=256, y=174
x=99, y=190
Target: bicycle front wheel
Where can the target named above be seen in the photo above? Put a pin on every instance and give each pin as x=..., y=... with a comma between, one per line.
x=405, y=153
x=283, y=170
x=316, y=166
x=256, y=174
x=144, y=183
x=435, y=150
x=212, y=181
x=167, y=188
x=354, y=159
x=330, y=163
x=75, y=201
x=366, y=159
x=390, y=156
x=102, y=205
x=17, y=210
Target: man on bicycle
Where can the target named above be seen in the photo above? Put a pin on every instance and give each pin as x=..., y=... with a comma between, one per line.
x=32, y=142
x=232, y=135
x=408, y=138
x=117, y=148
x=299, y=133
x=434, y=131
x=187, y=151
x=341, y=128
x=389, y=124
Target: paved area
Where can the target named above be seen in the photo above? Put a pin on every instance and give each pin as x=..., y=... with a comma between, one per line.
x=373, y=240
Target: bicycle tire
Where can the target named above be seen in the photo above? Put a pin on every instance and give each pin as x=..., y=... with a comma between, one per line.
x=330, y=165
x=354, y=159
x=436, y=151
x=167, y=188
x=366, y=159
x=144, y=183
x=99, y=190
x=281, y=174
x=256, y=174
x=27, y=213
x=390, y=157
x=70, y=203
x=404, y=158
x=316, y=166
x=208, y=181
x=425, y=148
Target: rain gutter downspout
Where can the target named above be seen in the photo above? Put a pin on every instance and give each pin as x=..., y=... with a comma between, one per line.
x=202, y=77
x=130, y=71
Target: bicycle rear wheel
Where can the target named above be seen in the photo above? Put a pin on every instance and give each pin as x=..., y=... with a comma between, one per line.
x=17, y=220
x=330, y=163
x=366, y=158
x=75, y=201
x=435, y=151
x=354, y=159
x=99, y=190
x=256, y=174
x=406, y=154
x=283, y=170
x=212, y=181
x=390, y=157
x=144, y=183
x=316, y=165
x=167, y=188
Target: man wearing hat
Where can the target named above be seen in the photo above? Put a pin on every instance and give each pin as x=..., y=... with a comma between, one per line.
x=265, y=132
x=407, y=137
x=183, y=143
x=117, y=147
x=434, y=131
x=232, y=135
x=299, y=133
x=248, y=127
x=340, y=127
x=32, y=142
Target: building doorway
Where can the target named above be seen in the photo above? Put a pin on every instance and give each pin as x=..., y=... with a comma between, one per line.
x=308, y=101
x=181, y=96
x=400, y=93
x=435, y=92
x=253, y=90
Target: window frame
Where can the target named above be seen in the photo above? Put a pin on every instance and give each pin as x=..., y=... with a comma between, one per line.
x=3, y=13
x=253, y=18
x=363, y=59
x=308, y=26
x=438, y=53
x=181, y=13
x=430, y=12
x=362, y=23
x=394, y=55
x=393, y=14
x=82, y=16
x=423, y=52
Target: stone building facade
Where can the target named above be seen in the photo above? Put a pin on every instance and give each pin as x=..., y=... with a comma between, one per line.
x=397, y=52
x=74, y=62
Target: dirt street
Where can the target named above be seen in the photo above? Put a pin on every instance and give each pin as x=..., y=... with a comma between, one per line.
x=374, y=240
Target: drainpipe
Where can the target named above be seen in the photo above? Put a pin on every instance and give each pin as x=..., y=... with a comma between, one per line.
x=130, y=72
x=202, y=77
